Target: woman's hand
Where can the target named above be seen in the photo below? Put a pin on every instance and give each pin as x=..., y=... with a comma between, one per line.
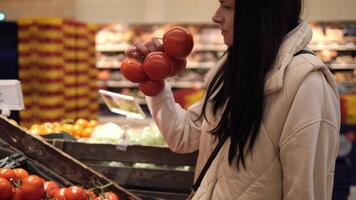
x=139, y=49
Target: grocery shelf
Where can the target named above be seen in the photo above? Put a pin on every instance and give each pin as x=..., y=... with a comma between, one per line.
x=127, y=84
x=122, y=120
x=119, y=84
x=341, y=66
x=123, y=47
x=190, y=65
x=112, y=48
x=332, y=47
x=101, y=67
x=199, y=47
x=200, y=65
x=139, y=100
x=187, y=84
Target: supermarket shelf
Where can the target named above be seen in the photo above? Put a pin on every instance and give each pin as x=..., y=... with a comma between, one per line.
x=334, y=47
x=139, y=100
x=200, y=65
x=101, y=67
x=120, y=120
x=187, y=84
x=127, y=84
x=199, y=47
x=118, y=84
x=190, y=65
x=112, y=48
x=123, y=47
x=342, y=66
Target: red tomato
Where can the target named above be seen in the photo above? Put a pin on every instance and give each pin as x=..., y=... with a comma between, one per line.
x=21, y=173
x=50, y=188
x=178, y=42
x=75, y=193
x=32, y=188
x=178, y=66
x=60, y=194
x=16, y=194
x=5, y=188
x=110, y=196
x=8, y=174
x=151, y=88
x=133, y=71
x=91, y=195
x=157, y=66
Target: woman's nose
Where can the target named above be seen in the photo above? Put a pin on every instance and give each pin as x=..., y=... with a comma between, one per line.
x=217, y=18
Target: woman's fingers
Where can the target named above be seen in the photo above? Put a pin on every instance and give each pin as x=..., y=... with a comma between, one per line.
x=131, y=52
x=158, y=44
x=142, y=49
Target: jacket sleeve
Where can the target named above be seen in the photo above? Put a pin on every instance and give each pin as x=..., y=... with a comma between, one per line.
x=309, y=141
x=179, y=127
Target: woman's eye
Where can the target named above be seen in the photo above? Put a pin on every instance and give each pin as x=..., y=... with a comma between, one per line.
x=227, y=7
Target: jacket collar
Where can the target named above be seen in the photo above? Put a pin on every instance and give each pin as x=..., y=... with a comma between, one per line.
x=293, y=42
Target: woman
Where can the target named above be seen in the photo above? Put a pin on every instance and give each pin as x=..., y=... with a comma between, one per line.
x=278, y=108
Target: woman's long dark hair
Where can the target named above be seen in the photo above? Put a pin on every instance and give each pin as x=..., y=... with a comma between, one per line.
x=238, y=87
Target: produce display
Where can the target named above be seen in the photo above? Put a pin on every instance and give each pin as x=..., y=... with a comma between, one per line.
x=80, y=128
x=110, y=133
x=157, y=66
x=18, y=184
x=107, y=133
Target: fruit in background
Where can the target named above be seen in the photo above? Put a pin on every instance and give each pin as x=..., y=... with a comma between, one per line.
x=35, y=129
x=50, y=188
x=20, y=173
x=157, y=66
x=60, y=194
x=68, y=128
x=178, y=42
x=82, y=123
x=91, y=194
x=5, y=189
x=32, y=188
x=107, y=196
x=77, y=129
x=151, y=88
x=16, y=194
x=133, y=70
x=178, y=66
x=86, y=132
x=93, y=123
x=103, y=75
x=80, y=128
x=8, y=174
x=75, y=193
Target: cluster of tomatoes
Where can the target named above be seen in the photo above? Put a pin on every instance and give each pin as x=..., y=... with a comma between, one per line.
x=18, y=184
x=177, y=45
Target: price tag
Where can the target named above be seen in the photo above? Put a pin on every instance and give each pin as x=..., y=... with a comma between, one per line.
x=122, y=144
x=11, y=95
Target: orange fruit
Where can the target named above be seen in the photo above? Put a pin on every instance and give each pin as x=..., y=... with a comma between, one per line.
x=35, y=129
x=82, y=122
x=86, y=132
x=93, y=123
x=76, y=130
x=67, y=128
x=47, y=128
